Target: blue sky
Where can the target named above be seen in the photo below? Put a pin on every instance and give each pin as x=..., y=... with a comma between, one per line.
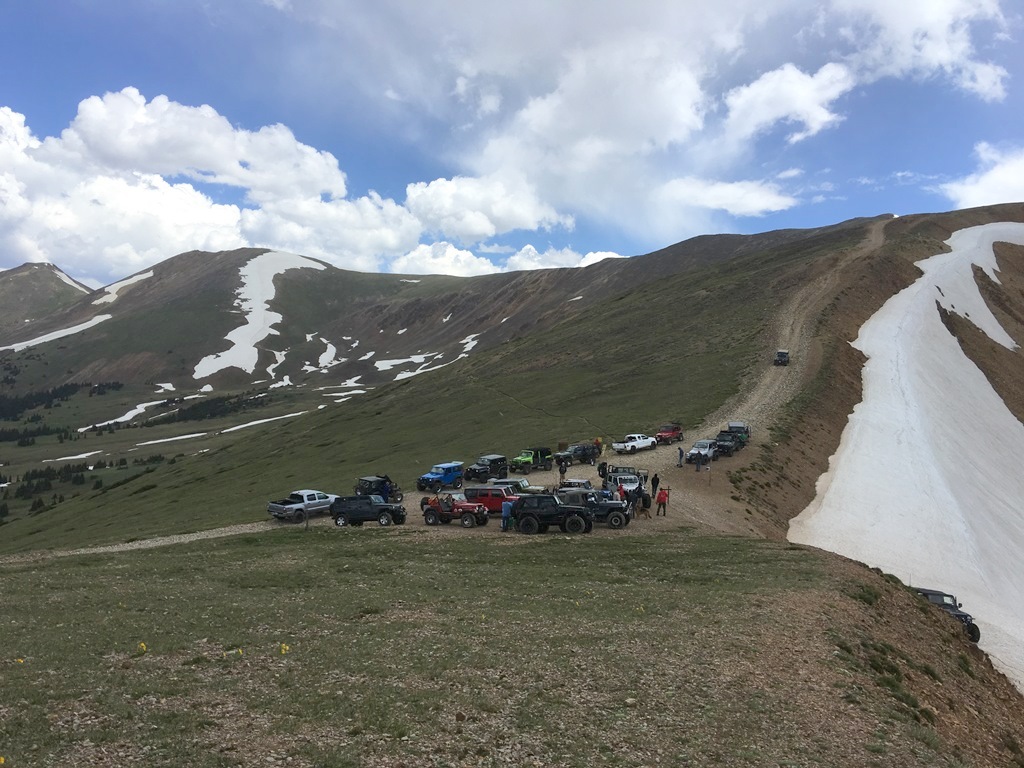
x=469, y=137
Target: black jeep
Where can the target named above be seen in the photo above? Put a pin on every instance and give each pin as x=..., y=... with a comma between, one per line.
x=728, y=443
x=356, y=510
x=579, y=453
x=375, y=485
x=537, y=512
x=949, y=604
x=781, y=357
x=487, y=466
x=609, y=511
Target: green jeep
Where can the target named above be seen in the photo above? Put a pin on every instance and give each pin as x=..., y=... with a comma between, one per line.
x=532, y=458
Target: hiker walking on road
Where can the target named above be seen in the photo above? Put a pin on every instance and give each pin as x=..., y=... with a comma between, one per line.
x=662, y=500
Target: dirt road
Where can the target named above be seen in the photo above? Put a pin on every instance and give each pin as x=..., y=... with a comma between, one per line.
x=696, y=498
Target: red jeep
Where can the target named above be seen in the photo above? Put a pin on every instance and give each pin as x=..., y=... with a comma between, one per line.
x=445, y=507
x=491, y=496
x=669, y=433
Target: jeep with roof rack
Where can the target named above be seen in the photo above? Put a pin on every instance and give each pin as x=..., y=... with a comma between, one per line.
x=952, y=606
x=532, y=458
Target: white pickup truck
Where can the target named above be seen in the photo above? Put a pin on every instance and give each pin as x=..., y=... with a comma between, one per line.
x=301, y=504
x=634, y=443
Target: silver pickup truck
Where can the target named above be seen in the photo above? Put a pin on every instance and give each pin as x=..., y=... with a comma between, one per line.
x=301, y=504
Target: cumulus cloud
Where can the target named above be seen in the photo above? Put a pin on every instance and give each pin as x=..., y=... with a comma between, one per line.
x=474, y=209
x=999, y=178
x=441, y=259
x=529, y=257
x=739, y=198
x=787, y=95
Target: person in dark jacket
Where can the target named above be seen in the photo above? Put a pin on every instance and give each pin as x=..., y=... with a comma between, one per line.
x=655, y=482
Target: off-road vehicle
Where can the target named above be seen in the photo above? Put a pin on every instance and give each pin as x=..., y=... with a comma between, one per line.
x=609, y=511
x=741, y=429
x=487, y=466
x=950, y=605
x=443, y=508
x=706, y=449
x=781, y=357
x=728, y=443
x=669, y=433
x=301, y=505
x=518, y=485
x=537, y=513
x=579, y=453
x=635, y=442
x=356, y=510
x=491, y=496
x=374, y=484
x=532, y=458
x=446, y=475
x=604, y=469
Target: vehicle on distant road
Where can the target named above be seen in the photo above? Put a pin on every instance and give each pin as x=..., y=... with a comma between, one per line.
x=635, y=442
x=669, y=433
x=532, y=458
x=374, y=484
x=950, y=605
x=445, y=507
x=356, y=510
x=781, y=357
x=579, y=453
x=536, y=513
x=301, y=504
x=445, y=475
x=488, y=465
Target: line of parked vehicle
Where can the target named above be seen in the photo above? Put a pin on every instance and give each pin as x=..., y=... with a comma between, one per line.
x=574, y=506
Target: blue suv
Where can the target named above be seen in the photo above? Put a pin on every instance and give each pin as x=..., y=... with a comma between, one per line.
x=448, y=474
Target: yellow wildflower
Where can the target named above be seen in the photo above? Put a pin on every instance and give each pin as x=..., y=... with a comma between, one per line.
x=285, y=648
x=20, y=661
x=142, y=647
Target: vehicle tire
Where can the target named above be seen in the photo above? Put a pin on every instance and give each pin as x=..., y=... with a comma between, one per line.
x=431, y=517
x=468, y=520
x=616, y=520
x=445, y=520
x=457, y=483
x=590, y=526
x=593, y=461
x=503, y=474
x=632, y=449
x=341, y=520
x=575, y=524
x=529, y=525
x=973, y=632
x=398, y=497
x=421, y=487
x=483, y=520
x=548, y=465
x=424, y=503
x=526, y=470
x=436, y=488
x=647, y=501
x=384, y=518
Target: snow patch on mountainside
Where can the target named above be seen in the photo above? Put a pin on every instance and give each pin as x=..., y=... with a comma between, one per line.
x=111, y=291
x=54, y=335
x=913, y=488
x=254, y=299
x=61, y=276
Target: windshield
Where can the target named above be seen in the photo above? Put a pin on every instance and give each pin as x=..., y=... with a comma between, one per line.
x=526, y=454
x=666, y=427
x=376, y=499
x=702, y=445
x=437, y=470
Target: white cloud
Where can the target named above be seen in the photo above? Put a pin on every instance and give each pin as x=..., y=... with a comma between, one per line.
x=999, y=179
x=441, y=259
x=473, y=209
x=530, y=258
x=787, y=95
x=739, y=198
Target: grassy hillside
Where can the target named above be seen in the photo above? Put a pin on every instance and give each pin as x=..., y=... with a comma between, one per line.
x=673, y=349
x=374, y=647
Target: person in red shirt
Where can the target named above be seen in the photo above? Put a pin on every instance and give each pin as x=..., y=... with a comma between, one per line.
x=662, y=500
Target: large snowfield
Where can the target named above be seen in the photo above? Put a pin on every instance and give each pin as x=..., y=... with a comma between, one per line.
x=926, y=483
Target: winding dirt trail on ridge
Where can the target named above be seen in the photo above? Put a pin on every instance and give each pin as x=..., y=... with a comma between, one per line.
x=695, y=498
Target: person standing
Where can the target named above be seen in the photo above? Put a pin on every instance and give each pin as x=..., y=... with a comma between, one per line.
x=655, y=482
x=698, y=459
x=662, y=500
x=682, y=457
x=638, y=503
x=506, y=515
x=561, y=472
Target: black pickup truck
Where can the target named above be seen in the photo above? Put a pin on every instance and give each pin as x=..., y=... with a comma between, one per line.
x=537, y=512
